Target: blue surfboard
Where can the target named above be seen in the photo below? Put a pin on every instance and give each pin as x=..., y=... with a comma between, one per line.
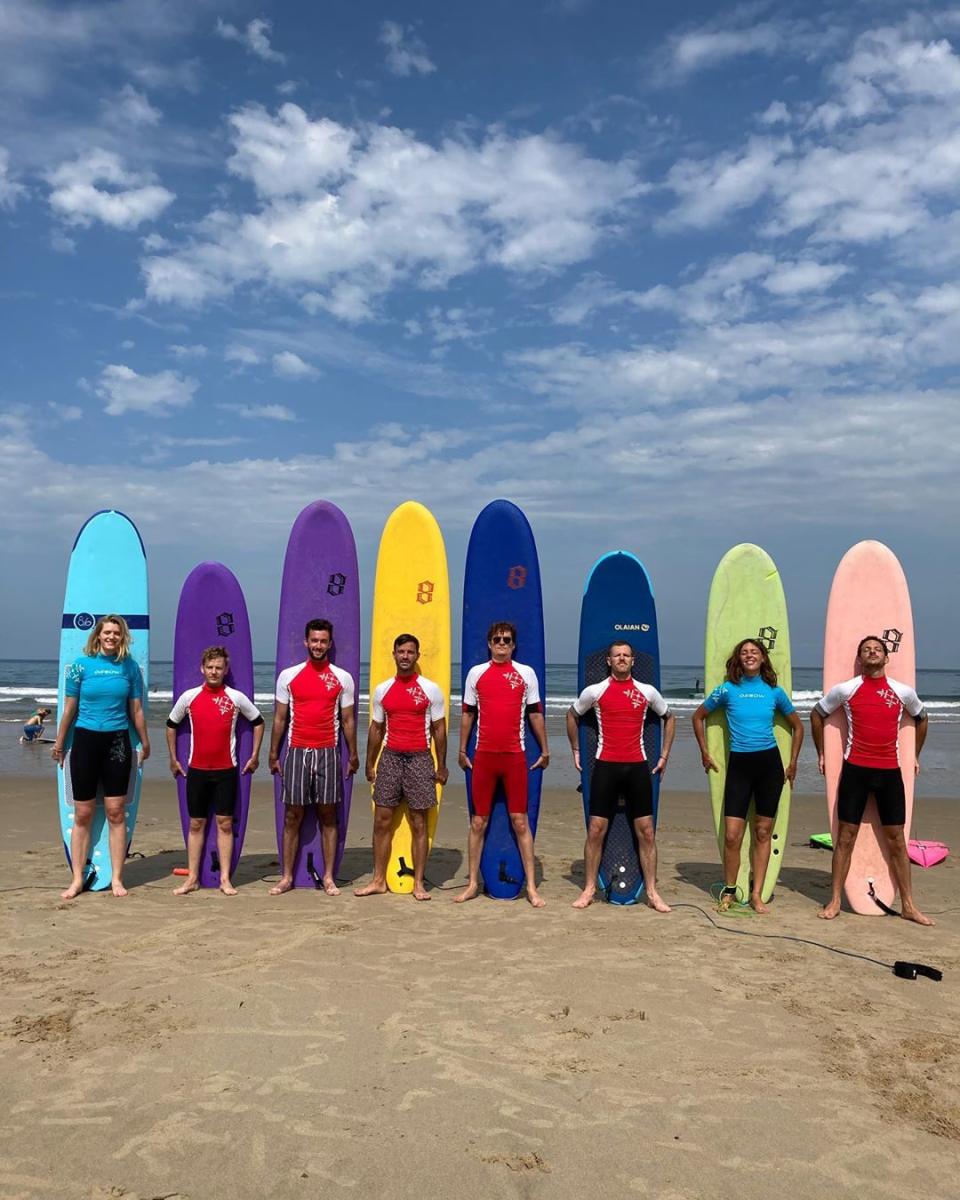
x=502, y=583
x=107, y=573
x=618, y=605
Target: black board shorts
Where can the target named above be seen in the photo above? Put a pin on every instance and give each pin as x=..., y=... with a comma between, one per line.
x=755, y=775
x=612, y=781
x=100, y=760
x=216, y=790
x=858, y=783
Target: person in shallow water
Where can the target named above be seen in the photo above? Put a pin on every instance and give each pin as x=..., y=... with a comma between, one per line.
x=33, y=727
x=750, y=698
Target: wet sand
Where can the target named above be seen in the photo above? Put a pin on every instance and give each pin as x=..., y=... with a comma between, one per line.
x=207, y=1047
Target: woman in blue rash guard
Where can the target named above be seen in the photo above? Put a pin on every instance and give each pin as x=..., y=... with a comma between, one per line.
x=751, y=698
x=103, y=693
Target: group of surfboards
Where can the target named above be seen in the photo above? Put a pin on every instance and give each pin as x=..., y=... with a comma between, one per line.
x=620, y=728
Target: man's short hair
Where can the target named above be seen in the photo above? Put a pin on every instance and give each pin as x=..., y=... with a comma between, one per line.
x=502, y=627
x=621, y=642
x=872, y=637
x=402, y=638
x=318, y=625
x=213, y=652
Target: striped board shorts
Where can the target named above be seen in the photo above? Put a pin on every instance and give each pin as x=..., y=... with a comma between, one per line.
x=312, y=776
x=409, y=777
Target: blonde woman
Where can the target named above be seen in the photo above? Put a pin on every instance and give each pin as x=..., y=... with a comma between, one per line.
x=103, y=694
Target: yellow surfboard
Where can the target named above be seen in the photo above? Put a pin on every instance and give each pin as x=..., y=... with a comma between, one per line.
x=411, y=595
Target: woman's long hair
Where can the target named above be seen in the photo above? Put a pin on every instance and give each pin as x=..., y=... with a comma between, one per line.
x=734, y=668
x=92, y=647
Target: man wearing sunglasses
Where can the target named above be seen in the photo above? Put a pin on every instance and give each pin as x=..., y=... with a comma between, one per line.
x=500, y=696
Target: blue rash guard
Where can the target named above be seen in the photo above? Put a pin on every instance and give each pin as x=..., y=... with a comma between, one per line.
x=103, y=686
x=750, y=706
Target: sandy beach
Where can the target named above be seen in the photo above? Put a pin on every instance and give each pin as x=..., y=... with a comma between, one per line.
x=208, y=1047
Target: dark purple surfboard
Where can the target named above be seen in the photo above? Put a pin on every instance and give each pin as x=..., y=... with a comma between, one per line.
x=320, y=579
x=212, y=612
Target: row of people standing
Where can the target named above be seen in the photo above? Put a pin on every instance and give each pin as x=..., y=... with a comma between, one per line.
x=315, y=705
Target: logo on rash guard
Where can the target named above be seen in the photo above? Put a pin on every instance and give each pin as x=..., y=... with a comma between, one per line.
x=225, y=624
x=514, y=679
x=636, y=699
x=418, y=696
x=224, y=704
x=889, y=697
x=330, y=681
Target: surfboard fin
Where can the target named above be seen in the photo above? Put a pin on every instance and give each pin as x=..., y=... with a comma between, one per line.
x=312, y=872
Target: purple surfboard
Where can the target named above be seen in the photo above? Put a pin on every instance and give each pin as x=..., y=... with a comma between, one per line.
x=212, y=612
x=320, y=579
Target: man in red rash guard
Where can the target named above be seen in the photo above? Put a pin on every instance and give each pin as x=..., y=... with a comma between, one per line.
x=874, y=705
x=406, y=711
x=211, y=773
x=500, y=696
x=318, y=699
x=620, y=704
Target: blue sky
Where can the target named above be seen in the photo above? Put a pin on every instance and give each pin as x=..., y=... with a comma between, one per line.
x=669, y=277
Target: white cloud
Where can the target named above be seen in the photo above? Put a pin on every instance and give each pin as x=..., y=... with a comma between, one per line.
x=244, y=355
x=61, y=243
x=288, y=365
x=787, y=279
x=65, y=412
x=194, y=351
x=260, y=412
x=406, y=52
x=130, y=107
x=776, y=113
x=155, y=395
x=10, y=190
x=707, y=47
x=348, y=214
x=124, y=199
x=255, y=38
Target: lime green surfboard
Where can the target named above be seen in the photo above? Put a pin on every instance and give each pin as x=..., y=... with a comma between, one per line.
x=747, y=601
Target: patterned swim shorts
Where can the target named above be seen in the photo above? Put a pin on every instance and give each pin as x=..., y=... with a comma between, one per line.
x=407, y=777
x=312, y=776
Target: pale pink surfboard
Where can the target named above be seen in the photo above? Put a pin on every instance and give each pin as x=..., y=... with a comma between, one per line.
x=869, y=595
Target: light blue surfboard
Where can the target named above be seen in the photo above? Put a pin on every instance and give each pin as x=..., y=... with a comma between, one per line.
x=107, y=573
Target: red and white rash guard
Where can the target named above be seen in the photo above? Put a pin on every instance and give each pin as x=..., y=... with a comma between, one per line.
x=621, y=709
x=213, y=713
x=315, y=696
x=408, y=707
x=873, y=708
x=501, y=694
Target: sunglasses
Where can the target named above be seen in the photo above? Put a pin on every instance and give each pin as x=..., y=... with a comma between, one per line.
x=502, y=640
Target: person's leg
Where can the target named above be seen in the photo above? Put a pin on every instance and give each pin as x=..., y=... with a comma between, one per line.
x=483, y=786
x=900, y=865
x=840, y=867
x=225, y=851
x=382, y=822
x=733, y=831
x=762, y=829
x=592, y=853
x=647, y=843
x=521, y=829
x=198, y=827
x=418, y=837
x=83, y=811
x=736, y=804
x=115, y=808
x=292, y=820
x=329, y=832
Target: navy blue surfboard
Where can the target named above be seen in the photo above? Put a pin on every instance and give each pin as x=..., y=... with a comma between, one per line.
x=618, y=605
x=502, y=583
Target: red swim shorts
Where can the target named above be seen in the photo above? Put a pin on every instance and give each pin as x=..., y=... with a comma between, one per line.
x=490, y=767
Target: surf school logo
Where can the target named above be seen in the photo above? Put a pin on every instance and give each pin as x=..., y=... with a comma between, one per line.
x=336, y=583
x=84, y=621
x=767, y=636
x=517, y=578
x=225, y=624
x=891, y=638
x=425, y=592
x=622, y=628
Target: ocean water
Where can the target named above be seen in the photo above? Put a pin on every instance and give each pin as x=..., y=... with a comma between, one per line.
x=26, y=683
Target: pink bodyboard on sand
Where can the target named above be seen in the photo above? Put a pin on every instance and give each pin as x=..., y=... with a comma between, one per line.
x=869, y=595
x=927, y=854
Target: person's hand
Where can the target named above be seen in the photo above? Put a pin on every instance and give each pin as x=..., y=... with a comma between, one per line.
x=58, y=754
x=353, y=766
x=252, y=763
x=820, y=765
x=542, y=762
x=176, y=769
x=464, y=762
x=790, y=773
x=274, y=763
x=708, y=763
x=371, y=772
x=441, y=775
x=144, y=751
x=576, y=760
x=661, y=766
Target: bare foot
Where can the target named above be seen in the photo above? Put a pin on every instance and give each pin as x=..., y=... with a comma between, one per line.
x=421, y=893
x=372, y=889
x=657, y=903
x=285, y=885
x=117, y=888
x=73, y=891
x=330, y=888
x=758, y=906
x=227, y=887
x=470, y=892
x=585, y=899
x=829, y=910
x=190, y=885
x=726, y=899
x=536, y=900
x=914, y=914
